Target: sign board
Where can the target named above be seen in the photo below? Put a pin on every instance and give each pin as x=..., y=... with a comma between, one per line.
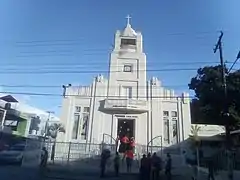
x=32, y=153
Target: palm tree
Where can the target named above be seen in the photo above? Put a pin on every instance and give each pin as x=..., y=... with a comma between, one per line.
x=54, y=129
x=52, y=132
x=195, y=139
x=194, y=132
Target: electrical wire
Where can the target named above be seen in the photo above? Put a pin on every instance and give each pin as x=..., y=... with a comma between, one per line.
x=59, y=95
x=95, y=71
x=92, y=72
x=97, y=63
x=74, y=86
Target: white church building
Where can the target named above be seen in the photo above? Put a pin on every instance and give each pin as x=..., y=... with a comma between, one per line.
x=125, y=102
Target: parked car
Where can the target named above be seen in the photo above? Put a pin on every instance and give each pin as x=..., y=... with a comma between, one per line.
x=13, y=155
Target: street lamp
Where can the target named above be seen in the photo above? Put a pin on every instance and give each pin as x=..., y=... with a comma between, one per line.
x=65, y=89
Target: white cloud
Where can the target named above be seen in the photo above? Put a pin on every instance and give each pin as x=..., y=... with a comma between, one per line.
x=23, y=98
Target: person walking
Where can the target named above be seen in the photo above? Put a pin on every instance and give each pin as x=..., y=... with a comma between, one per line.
x=168, y=167
x=144, y=168
x=194, y=166
x=104, y=157
x=132, y=144
x=116, y=163
x=149, y=166
x=156, y=166
x=129, y=160
x=124, y=143
x=53, y=152
x=211, y=169
x=44, y=157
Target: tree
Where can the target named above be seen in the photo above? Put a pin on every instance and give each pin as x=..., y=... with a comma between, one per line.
x=194, y=134
x=209, y=102
x=54, y=129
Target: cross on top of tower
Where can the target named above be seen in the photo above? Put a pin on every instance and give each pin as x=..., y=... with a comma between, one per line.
x=128, y=19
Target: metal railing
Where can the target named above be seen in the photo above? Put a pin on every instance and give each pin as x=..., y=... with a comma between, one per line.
x=66, y=152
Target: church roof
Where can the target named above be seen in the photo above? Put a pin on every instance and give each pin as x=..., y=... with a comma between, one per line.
x=129, y=31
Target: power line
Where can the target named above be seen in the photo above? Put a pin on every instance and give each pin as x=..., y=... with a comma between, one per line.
x=92, y=71
x=46, y=41
x=60, y=95
x=74, y=86
x=93, y=63
x=73, y=67
x=82, y=39
x=43, y=52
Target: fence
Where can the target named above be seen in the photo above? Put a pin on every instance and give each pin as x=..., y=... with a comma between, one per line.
x=65, y=152
x=221, y=160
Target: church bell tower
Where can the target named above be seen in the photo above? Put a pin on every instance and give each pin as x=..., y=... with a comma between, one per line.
x=127, y=67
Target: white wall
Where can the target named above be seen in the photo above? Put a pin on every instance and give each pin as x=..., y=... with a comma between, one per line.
x=148, y=124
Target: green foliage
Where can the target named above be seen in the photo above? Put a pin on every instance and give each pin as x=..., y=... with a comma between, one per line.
x=194, y=131
x=194, y=136
x=208, y=106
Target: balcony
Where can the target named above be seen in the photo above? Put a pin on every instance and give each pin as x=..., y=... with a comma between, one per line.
x=125, y=105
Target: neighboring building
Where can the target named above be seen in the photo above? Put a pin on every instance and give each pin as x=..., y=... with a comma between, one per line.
x=126, y=103
x=20, y=117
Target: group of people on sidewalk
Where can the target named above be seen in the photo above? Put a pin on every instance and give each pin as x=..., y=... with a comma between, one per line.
x=128, y=157
x=151, y=166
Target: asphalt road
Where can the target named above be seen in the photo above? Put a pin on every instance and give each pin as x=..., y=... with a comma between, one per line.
x=93, y=174
x=77, y=173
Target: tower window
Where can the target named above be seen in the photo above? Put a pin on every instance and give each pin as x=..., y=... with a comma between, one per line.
x=128, y=42
x=174, y=113
x=77, y=109
x=127, y=68
x=165, y=113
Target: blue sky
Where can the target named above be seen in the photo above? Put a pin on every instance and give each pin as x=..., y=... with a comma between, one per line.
x=63, y=35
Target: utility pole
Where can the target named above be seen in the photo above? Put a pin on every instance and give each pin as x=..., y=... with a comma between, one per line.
x=3, y=113
x=65, y=89
x=46, y=124
x=225, y=111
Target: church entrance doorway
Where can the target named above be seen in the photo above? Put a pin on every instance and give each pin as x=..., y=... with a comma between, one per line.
x=126, y=127
x=126, y=130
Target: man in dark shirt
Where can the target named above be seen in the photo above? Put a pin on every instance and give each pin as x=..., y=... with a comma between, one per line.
x=156, y=165
x=211, y=169
x=44, y=157
x=168, y=168
x=104, y=157
x=144, y=168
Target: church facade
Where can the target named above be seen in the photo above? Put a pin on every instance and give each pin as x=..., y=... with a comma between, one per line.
x=125, y=103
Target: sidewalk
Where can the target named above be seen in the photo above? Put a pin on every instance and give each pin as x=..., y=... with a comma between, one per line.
x=222, y=175
x=185, y=172
x=20, y=173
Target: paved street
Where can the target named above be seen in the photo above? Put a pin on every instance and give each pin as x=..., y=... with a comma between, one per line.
x=93, y=174
x=68, y=173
